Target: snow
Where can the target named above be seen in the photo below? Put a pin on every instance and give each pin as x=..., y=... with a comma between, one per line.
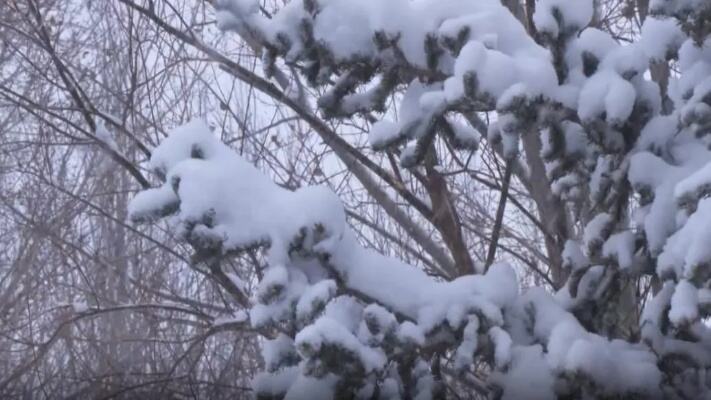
x=690, y=54
x=328, y=332
x=496, y=71
x=573, y=257
x=547, y=313
x=390, y=388
x=660, y=37
x=276, y=296
x=499, y=49
x=657, y=134
x=653, y=311
x=695, y=65
x=502, y=346
x=593, y=41
x=454, y=89
x=684, y=304
x=382, y=133
x=575, y=15
x=146, y=205
x=275, y=383
x=606, y=92
x=179, y=143
x=426, y=303
x=687, y=249
x=234, y=14
x=415, y=294
x=529, y=376
x=245, y=207
x=539, y=345
x=492, y=25
x=433, y=102
x=620, y=247
x=409, y=154
x=464, y=356
x=576, y=141
x=660, y=221
x=627, y=61
x=597, y=229
x=648, y=172
x=205, y=171
x=315, y=297
x=275, y=351
x=616, y=366
x=347, y=27
x=275, y=278
x=695, y=184
x=685, y=86
x=411, y=107
x=464, y=134
x=346, y=310
x=408, y=332
x=379, y=319
x=425, y=381
x=312, y=388
x=588, y=283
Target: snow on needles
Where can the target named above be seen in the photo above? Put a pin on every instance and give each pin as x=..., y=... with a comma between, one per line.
x=607, y=130
x=234, y=202
x=210, y=182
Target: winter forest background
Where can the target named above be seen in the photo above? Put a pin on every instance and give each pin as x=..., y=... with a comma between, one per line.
x=355, y=199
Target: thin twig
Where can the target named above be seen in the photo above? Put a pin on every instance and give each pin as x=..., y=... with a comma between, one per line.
x=499, y=216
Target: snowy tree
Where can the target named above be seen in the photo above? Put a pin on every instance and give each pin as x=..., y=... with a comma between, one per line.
x=625, y=154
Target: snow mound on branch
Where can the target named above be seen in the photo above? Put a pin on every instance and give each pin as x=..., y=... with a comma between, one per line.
x=687, y=249
x=211, y=183
x=554, y=16
x=309, y=267
x=660, y=38
x=413, y=293
x=616, y=366
x=227, y=197
x=326, y=331
x=347, y=30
